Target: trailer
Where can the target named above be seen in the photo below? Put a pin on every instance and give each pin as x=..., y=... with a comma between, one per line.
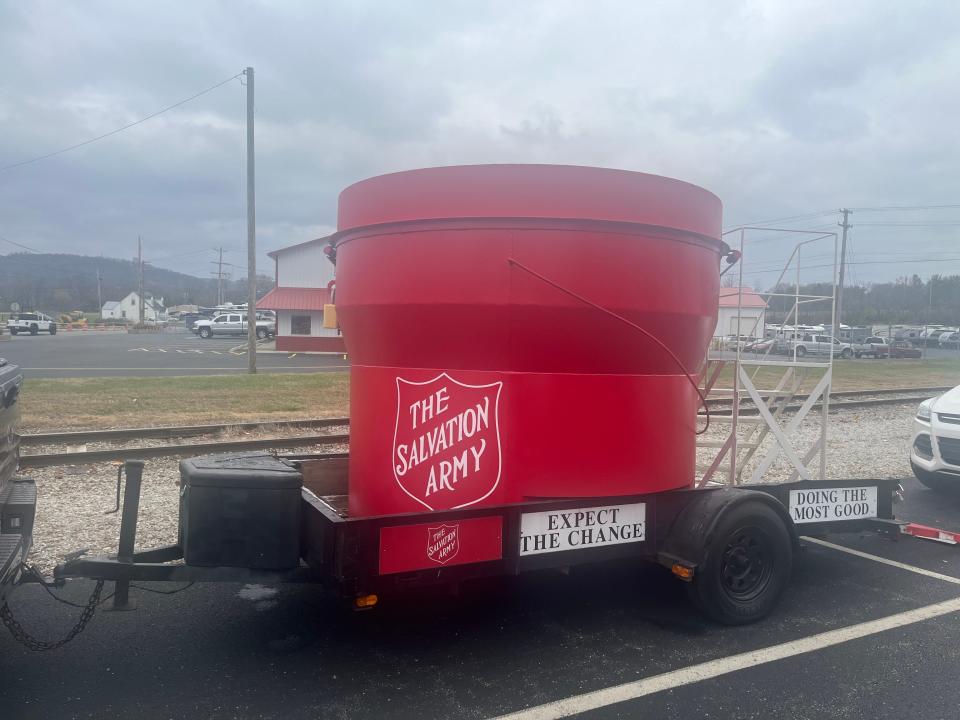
x=525, y=386
x=732, y=547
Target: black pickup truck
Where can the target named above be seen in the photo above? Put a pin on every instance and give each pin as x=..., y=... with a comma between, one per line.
x=18, y=495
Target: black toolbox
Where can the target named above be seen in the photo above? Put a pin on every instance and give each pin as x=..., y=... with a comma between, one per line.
x=240, y=510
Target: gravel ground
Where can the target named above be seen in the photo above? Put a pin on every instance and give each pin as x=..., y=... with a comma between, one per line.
x=73, y=500
x=863, y=443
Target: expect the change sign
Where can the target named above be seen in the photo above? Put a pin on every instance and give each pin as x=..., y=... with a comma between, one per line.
x=577, y=528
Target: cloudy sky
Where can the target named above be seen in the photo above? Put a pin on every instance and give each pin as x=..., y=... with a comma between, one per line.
x=782, y=109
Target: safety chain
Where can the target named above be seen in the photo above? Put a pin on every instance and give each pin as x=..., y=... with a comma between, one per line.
x=22, y=636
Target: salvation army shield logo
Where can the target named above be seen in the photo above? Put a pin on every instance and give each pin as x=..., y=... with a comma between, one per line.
x=443, y=543
x=446, y=442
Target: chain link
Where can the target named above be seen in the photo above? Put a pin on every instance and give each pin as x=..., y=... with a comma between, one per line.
x=22, y=636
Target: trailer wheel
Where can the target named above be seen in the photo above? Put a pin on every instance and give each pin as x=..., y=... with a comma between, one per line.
x=747, y=567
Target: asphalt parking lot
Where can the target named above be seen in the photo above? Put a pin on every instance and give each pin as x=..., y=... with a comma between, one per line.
x=853, y=638
x=173, y=352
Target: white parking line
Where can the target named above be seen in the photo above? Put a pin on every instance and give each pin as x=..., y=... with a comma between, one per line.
x=885, y=561
x=723, y=666
x=715, y=668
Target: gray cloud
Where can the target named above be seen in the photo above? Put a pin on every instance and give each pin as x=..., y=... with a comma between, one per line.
x=780, y=109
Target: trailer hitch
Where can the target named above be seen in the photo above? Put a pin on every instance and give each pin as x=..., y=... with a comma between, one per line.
x=133, y=469
x=119, y=482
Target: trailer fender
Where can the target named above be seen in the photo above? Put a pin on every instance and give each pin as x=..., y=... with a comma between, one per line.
x=691, y=534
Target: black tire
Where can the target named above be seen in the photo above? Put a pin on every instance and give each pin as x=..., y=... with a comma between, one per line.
x=53, y=328
x=34, y=329
x=801, y=351
x=262, y=333
x=846, y=353
x=857, y=355
x=13, y=331
x=934, y=481
x=747, y=566
x=206, y=333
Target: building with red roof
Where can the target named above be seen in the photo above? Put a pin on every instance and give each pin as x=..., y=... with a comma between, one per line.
x=742, y=312
x=304, y=284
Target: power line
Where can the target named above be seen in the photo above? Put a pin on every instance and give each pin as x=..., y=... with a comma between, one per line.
x=891, y=208
x=878, y=208
x=946, y=223
x=783, y=234
x=119, y=129
x=864, y=262
x=18, y=245
x=181, y=255
x=806, y=216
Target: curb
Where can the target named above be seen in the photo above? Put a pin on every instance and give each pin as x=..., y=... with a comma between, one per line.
x=296, y=352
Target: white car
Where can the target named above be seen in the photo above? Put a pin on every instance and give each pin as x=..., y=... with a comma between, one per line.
x=811, y=344
x=232, y=324
x=935, y=452
x=31, y=322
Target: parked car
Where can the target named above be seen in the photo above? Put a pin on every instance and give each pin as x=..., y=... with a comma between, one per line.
x=904, y=349
x=950, y=340
x=32, y=323
x=732, y=342
x=931, y=336
x=189, y=318
x=935, y=451
x=18, y=495
x=819, y=345
x=232, y=324
x=875, y=347
x=763, y=345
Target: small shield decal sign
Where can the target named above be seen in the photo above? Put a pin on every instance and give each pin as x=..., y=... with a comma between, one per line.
x=443, y=543
x=446, y=442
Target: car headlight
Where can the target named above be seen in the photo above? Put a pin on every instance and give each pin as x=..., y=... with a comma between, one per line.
x=923, y=412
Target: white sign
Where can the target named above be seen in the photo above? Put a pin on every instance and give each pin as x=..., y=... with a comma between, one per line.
x=833, y=504
x=557, y=530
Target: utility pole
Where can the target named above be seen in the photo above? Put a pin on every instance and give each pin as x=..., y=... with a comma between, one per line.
x=220, y=278
x=843, y=266
x=251, y=235
x=99, y=291
x=140, y=276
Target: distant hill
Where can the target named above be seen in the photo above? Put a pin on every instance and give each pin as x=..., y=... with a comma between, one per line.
x=57, y=283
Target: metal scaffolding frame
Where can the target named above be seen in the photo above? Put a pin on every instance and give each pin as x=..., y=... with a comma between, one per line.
x=771, y=405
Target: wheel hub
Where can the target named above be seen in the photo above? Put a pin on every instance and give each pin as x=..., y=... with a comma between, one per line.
x=745, y=565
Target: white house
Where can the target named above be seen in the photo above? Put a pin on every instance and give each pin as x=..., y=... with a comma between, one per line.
x=741, y=312
x=304, y=277
x=129, y=309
